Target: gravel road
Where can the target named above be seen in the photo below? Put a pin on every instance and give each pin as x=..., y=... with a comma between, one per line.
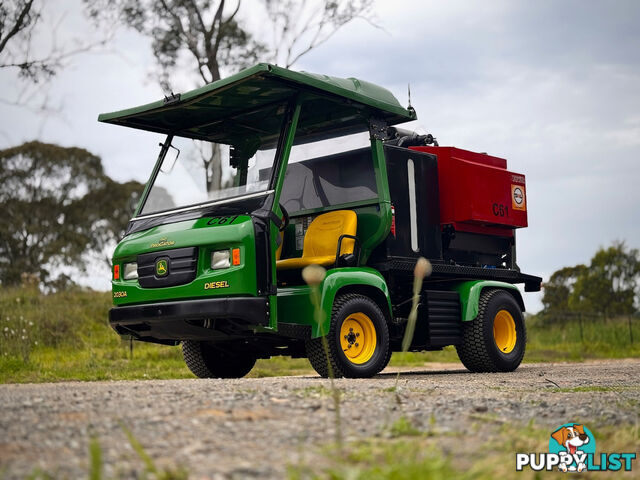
x=253, y=428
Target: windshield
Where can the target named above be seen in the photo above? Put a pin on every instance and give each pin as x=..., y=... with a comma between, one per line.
x=237, y=164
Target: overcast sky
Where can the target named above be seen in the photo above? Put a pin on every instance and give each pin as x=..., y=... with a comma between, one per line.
x=552, y=86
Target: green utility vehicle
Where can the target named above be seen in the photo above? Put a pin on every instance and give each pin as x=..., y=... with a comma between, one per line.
x=270, y=170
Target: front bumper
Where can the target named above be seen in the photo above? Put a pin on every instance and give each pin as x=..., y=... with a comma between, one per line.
x=204, y=319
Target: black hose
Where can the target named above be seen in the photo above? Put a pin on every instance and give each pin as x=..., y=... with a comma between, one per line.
x=407, y=138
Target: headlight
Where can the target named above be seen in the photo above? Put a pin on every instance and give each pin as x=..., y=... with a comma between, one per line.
x=220, y=259
x=130, y=271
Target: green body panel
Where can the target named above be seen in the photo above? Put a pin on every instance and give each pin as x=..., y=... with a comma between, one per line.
x=381, y=226
x=295, y=302
x=380, y=166
x=294, y=306
x=265, y=84
x=191, y=233
x=470, y=295
x=286, y=150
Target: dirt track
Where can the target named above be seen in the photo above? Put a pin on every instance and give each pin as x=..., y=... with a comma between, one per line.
x=254, y=427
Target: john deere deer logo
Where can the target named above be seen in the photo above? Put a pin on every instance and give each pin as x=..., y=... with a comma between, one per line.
x=161, y=267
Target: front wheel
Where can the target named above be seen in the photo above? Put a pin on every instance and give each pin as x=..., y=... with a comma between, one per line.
x=208, y=361
x=495, y=340
x=357, y=342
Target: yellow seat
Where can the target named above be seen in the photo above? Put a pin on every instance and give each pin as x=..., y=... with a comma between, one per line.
x=321, y=240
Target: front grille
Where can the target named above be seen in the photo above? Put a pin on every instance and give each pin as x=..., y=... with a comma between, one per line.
x=181, y=264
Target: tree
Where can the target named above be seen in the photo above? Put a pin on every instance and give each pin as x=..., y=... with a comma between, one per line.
x=21, y=22
x=113, y=205
x=559, y=287
x=609, y=285
x=17, y=23
x=57, y=204
x=300, y=26
x=211, y=36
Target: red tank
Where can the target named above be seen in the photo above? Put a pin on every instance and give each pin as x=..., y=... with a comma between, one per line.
x=477, y=192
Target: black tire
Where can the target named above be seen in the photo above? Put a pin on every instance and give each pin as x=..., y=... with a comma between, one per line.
x=207, y=361
x=386, y=360
x=479, y=351
x=344, y=308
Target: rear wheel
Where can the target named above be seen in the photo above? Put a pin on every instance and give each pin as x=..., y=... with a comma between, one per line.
x=495, y=341
x=207, y=361
x=358, y=339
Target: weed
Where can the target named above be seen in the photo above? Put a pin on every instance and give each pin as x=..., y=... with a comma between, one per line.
x=593, y=388
x=403, y=427
x=313, y=275
x=95, y=459
x=373, y=459
x=315, y=391
x=422, y=269
x=96, y=463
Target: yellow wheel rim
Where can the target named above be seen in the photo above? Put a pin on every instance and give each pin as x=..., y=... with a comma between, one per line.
x=504, y=331
x=358, y=338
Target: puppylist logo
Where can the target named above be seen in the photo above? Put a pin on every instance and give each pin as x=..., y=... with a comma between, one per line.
x=572, y=448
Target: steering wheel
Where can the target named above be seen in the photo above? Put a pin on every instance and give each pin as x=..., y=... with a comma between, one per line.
x=285, y=218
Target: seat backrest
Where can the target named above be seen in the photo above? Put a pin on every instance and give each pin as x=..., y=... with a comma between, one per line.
x=324, y=231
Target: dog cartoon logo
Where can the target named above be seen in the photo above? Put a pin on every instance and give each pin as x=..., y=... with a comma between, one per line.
x=572, y=448
x=573, y=442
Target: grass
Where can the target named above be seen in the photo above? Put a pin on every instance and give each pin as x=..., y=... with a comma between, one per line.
x=314, y=391
x=490, y=453
x=96, y=464
x=562, y=341
x=403, y=427
x=279, y=366
x=372, y=459
x=407, y=452
x=66, y=336
x=594, y=388
x=419, y=359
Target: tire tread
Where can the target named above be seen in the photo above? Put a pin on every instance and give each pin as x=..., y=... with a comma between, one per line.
x=473, y=351
x=196, y=358
x=315, y=348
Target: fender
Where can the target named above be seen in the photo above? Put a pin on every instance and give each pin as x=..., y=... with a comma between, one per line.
x=470, y=295
x=351, y=279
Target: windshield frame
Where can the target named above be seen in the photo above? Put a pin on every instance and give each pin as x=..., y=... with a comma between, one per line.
x=285, y=132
